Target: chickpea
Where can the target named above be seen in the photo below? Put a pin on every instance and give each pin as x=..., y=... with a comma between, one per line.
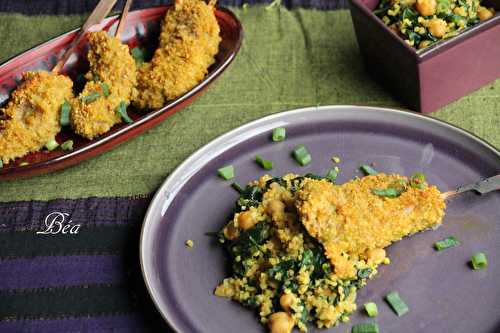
x=426, y=7
x=275, y=207
x=437, y=27
x=376, y=255
x=424, y=44
x=484, y=13
x=286, y=301
x=408, y=3
x=231, y=232
x=460, y=11
x=280, y=322
x=246, y=220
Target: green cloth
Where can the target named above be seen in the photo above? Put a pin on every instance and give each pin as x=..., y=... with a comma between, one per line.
x=289, y=59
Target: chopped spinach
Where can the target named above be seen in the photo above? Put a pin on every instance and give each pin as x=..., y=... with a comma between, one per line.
x=282, y=268
x=250, y=197
x=364, y=273
x=313, y=176
x=279, y=180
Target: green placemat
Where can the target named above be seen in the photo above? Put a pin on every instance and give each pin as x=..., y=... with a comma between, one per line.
x=289, y=59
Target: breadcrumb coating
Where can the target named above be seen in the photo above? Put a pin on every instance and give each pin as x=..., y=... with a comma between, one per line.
x=189, y=40
x=112, y=65
x=31, y=117
x=349, y=220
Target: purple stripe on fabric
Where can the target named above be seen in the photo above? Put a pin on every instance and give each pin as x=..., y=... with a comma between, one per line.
x=61, y=271
x=117, y=323
x=31, y=215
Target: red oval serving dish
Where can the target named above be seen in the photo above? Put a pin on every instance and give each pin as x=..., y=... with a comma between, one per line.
x=141, y=30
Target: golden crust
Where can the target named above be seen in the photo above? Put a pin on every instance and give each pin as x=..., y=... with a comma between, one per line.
x=189, y=40
x=32, y=114
x=349, y=219
x=112, y=64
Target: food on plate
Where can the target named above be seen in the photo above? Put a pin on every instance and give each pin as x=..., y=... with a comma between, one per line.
x=111, y=85
x=31, y=117
x=300, y=246
x=189, y=41
x=361, y=217
x=422, y=23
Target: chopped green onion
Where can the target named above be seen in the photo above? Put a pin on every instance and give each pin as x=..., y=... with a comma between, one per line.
x=331, y=175
x=417, y=180
x=266, y=164
x=368, y=170
x=90, y=97
x=371, y=309
x=479, y=261
x=67, y=145
x=121, y=109
x=301, y=155
x=51, y=145
x=279, y=134
x=65, y=111
x=1, y=164
x=446, y=243
x=226, y=172
x=105, y=89
x=365, y=328
x=336, y=159
x=139, y=55
x=245, y=6
x=23, y=164
x=96, y=78
x=237, y=187
x=396, y=303
x=387, y=192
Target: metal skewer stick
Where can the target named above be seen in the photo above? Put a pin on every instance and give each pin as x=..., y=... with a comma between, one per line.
x=482, y=187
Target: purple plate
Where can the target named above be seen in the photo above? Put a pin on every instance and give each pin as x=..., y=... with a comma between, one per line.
x=443, y=293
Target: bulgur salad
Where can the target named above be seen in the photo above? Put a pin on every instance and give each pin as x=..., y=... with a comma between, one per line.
x=422, y=23
x=277, y=237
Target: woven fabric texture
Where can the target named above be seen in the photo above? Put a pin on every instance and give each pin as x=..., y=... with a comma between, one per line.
x=69, y=7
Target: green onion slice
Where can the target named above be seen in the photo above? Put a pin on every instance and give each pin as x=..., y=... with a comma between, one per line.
x=1, y=164
x=51, y=145
x=279, y=134
x=266, y=164
x=365, y=328
x=139, y=55
x=301, y=155
x=417, y=180
x=237, y=187
x=331, y=175
x=65, y=111
x=371, y=309
x=90, y=97
x=67, y=145
x=446, y=243
x=368, y=170
x=121, y=109
x=396, y=303
x=105, y=89
x=387, y=192
x=479, y=261
x=226, y=172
